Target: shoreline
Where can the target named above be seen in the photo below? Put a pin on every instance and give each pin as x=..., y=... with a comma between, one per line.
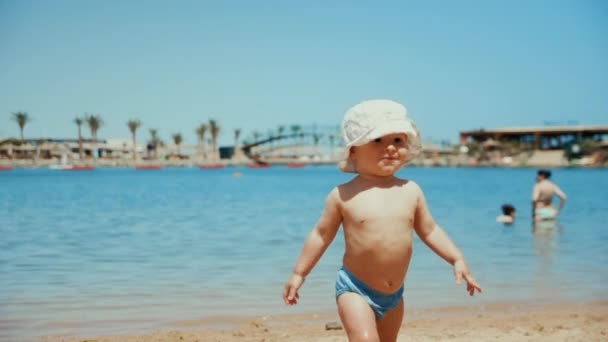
x=8, y=165
x=572, y=321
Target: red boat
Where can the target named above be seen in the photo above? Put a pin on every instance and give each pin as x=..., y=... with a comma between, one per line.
x=211, y=166
x=5, y=168
x=296, y=165
x=148, y=167
x=258, y=166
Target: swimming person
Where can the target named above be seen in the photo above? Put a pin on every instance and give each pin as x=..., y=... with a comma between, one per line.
x=508, y=214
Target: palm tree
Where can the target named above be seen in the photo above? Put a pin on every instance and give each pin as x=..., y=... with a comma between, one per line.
x=133, y=126
x=237, y=136
x=154, y=141
x=316, y=137
x=280, y=131
x=177, y=139
x=21, y=118
x=256, y=136
x=314, y=132
x=295, y=129
x=200, y=133
x=95, y=122
x=79, y=121
x=214, y=129
x=331, y=138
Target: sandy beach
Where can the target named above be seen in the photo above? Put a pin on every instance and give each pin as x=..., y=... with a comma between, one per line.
x=517, y=322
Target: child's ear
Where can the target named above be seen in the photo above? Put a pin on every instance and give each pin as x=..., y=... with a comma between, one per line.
x=351, y=154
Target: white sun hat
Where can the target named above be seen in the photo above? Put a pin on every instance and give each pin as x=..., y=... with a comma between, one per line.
x=372, y=119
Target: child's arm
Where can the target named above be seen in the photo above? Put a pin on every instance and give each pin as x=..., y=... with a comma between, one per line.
x=317, y=242
x=436, y=238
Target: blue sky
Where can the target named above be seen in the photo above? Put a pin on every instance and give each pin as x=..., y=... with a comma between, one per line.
x=456, y=65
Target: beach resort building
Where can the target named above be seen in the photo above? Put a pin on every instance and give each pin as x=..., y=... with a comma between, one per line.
x=68, y=148
x=548, y=145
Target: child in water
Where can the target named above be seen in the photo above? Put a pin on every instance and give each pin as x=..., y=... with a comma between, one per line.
x=508, y=214
x=379, y=214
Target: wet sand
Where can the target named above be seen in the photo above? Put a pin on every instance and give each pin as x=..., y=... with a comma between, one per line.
x=506, y=322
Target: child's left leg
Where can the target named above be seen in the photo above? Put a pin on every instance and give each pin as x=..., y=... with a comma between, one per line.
x=388, y=326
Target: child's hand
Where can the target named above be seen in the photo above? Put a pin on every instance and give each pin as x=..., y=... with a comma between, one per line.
x=461, y=271
x=290, y=293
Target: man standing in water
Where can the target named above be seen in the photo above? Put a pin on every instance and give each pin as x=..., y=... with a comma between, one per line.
x=542, y=197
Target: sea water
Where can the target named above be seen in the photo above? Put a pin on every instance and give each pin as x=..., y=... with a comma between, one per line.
x=115, y=251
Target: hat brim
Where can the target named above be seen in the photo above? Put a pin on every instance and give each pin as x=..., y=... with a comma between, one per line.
x=346, y=164
x=386, y=128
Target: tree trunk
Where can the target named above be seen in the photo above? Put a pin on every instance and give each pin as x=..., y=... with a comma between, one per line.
x=134, y=148
x=80, y=150
x=202, y=146
x=94, y=147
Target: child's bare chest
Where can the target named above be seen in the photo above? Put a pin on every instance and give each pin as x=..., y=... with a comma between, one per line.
x=381, y=207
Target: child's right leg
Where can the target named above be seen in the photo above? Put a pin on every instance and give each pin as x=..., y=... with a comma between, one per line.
x=357, y=317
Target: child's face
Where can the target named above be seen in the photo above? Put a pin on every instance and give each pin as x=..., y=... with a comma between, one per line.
x=383, y=156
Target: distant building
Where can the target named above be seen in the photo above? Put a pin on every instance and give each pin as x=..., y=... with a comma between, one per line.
x=46, y=148
x=541, y=138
